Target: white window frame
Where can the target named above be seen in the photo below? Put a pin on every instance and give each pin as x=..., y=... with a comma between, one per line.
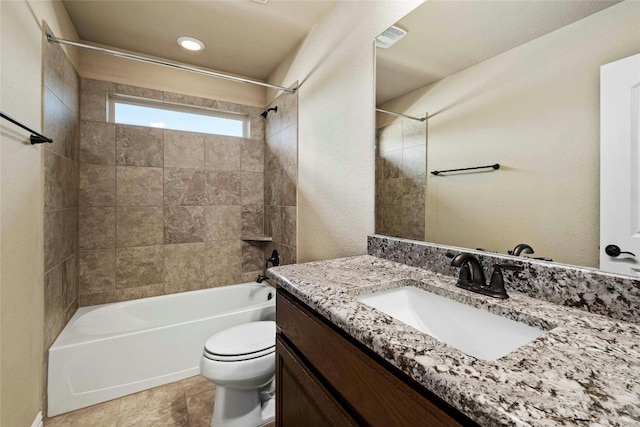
x=113, y=98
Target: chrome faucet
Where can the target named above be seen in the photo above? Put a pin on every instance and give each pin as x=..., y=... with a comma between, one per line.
x=472, y=277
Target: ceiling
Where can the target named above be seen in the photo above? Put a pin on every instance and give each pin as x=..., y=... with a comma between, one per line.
x=445, y=37
x=242, y=37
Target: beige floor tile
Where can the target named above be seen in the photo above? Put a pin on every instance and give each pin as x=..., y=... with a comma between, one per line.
x=156, y=397
x=101, y=415
x=197, y=384
x=174, y=414
x=200, y=407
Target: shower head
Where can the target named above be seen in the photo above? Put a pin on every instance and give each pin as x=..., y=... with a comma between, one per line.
x=265, y=112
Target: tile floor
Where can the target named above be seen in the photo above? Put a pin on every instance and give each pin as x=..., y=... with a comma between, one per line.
x=186, y=403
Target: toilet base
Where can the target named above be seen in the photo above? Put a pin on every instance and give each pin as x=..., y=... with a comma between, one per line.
x=241, y=408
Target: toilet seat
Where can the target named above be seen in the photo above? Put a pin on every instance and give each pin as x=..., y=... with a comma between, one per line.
x=243, y=342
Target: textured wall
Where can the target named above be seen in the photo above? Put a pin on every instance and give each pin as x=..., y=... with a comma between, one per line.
x=336, y=126
x=535, y=110
x=280, y=177
x=163, y=211
x=401, y=163
x=22, y=177
x=21, y=217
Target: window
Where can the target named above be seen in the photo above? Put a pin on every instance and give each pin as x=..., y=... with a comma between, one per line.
x=159, y=114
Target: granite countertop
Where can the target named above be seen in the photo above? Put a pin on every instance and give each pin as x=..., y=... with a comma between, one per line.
x=584, y=371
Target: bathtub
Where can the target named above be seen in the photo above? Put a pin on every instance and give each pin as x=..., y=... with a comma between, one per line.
x=111, y=350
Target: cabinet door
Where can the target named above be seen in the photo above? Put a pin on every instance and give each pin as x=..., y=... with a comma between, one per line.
x=300, y=399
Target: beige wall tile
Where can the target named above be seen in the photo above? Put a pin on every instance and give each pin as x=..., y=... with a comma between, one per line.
x=252, y=220
x=273, y=222
x=93, y=98
x=176, y=287
x=223, y=222
x=97, y=143
x=97, y=185
x=60, y=182
x=223, y=152
x=289, y=186
x=414, y=161
x=252, y=257
x=273, y=146
x=138, y=292
x=184, y=187
x=141, y=92
x=257, y=127
x=54, y=121
x=223, y=257
x=252, y=155
x=54, y=305
x=139, y=266
x=252, y=188
x=139, y=146
x=139, y=226
x=179, y=98
x=413, y=133
x=289, y=146
x=223, y=188
x=273, y=188
x=97, y=228
x=97, y=271
x=183, y=149
x=184, y=262
x=287, y=255
x=139, y=186
x=225, y=279
x=95, y=299
x=289, y=225
x=184, y=224
x=70, y=123
x=60, y=236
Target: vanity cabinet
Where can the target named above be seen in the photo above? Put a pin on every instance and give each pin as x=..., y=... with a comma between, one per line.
x=326, y=378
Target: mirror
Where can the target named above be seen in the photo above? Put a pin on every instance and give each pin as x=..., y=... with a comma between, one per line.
x=509, y=82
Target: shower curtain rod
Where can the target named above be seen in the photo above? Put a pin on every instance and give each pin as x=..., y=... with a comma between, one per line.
x=420, y=119
x=53, y=39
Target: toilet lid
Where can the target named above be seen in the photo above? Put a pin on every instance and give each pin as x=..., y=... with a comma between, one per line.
x=242, y=342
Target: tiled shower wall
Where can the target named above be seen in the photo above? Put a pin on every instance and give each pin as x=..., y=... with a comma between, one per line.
x=164, y=211
x=281, y=167
x=60, y=111
x=401, y=162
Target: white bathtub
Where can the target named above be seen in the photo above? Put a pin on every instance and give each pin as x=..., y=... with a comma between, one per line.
x=111, y=350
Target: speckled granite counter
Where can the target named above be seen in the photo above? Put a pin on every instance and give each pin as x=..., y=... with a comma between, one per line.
x=584, y=371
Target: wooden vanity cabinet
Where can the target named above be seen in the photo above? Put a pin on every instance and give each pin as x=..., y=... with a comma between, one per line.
x=326, y=378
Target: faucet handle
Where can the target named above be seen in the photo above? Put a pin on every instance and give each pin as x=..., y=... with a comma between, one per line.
x=464, y=278
x=497, y=280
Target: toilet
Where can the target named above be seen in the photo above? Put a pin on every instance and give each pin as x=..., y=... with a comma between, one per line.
x=241, y=362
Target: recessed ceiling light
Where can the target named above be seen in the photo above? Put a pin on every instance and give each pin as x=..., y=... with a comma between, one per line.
x=190, y=43
x=261, y=1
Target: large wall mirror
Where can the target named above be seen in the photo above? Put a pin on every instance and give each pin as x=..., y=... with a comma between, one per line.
x=514, y=83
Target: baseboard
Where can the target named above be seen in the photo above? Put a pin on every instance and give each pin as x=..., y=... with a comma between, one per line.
x=38, y=421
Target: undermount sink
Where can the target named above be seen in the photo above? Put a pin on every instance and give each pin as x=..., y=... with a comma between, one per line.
x=476, y=332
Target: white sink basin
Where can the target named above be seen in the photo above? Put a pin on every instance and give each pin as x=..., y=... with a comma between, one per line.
x=476, y=332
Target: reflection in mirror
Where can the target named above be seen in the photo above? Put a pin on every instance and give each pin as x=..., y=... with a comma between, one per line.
x=508, y=82
x=401, y=149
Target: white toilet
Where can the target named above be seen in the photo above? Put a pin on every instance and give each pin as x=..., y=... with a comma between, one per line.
x=241, y=362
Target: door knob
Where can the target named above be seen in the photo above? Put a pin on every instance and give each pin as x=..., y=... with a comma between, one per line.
x=614, y=251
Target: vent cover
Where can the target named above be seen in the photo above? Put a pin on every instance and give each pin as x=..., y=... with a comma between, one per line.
x=390, y=36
